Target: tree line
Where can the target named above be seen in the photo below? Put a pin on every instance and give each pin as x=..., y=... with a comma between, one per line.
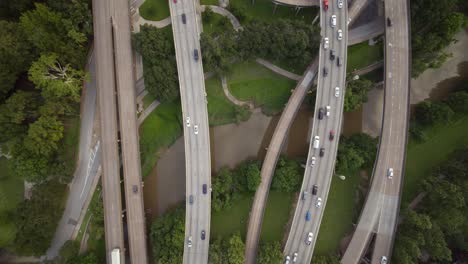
x=436, y=231
x=42, y=56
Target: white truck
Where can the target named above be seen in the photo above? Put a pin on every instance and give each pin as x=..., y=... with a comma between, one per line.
x=115, y=256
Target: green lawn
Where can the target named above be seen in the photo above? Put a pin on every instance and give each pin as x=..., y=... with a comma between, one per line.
x=234, y=219
x=340, y=211
x=250, y=81
x=155, y=9
x=422, y=157
x=160, y=129
x=217, y=24
x=220, y=110
x=361, y=55
x=11, y=193
x=263, y=10
x=71, y=139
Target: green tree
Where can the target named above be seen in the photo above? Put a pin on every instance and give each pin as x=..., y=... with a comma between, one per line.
x=436, y=245
x=253, y=176
x=167, y=236
x=287, y=176
x=44, y=136
x=429, y=113
x=37, y=218
x=270, y=253
x=356, y=93
x=458, y=102
x=15, y=55
x=11, y=10
x=222, y=189
x=208, y=14
x=217, y=253
x=236, y=250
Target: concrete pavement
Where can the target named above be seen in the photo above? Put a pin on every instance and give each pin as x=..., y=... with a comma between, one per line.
x=382, y=204
x=196, y=130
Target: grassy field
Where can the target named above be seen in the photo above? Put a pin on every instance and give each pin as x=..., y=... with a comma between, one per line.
x=217, y=24
x=250, y=81
x=422, y=157
x=362, y=55
x=71, y=139
x=11, y=193
x=263, y=10
x=160, y=129
x=155, y=9
x=220, y=110
x=340, y=211
x=209, y=2
x=234, y=219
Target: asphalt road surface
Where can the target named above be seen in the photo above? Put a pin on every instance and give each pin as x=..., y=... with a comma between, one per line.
x=321, y=173
x=105, y=80
x=381, y=208
x=125, y=84
x=196, y=130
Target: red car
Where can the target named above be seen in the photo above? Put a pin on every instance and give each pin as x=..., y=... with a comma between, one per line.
x=332, y=135
x=325, y=5
x=175, y=1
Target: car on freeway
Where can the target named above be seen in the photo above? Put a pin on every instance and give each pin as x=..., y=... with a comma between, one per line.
x=184, y=19
x=325, y=5
x=203, y=235
x=314, y=189
x=312, y=161
x=333, y=21
x=328, y=110
x=307, y=217
x=321, y=113
x=295, y=257
x=383, y=260
x=337, y=91
x=135, y=189
x=175, y=1
x=339, y=34
x=189, y=241
x=325, y=43
x=304, y=195
x=310, y=235
x=191, y=199
x=195, y=129
x=390, y=173
x=325, y=71
x=340, y=4
x=316, y=142
x=332, y=135
x=204, y=188
x=187, y=121
x=322, y=152
x=195, y=54
x=318, y=204
x=332, y=54
x=339, y=62
x=287, y=259
x=389, y=22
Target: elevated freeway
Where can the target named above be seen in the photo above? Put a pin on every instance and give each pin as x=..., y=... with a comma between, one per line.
x=320, y=167
x=380, y=211
x=196, y=130
x=105, y=80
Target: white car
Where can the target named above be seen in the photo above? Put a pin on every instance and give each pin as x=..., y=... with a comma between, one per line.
x=187, y=120
x=287, y=259
x=312, y=161
x=337, y=91
x=328, y=110
x=310, y=235
x=390, y=173
x=295, y=257
x=316, y=142
x=340, y=4
x=318, y=204
x=189, y=242
x=195, y=129
x=325, y=43
x=383, y=260
x=339, y=34
x=333, y=21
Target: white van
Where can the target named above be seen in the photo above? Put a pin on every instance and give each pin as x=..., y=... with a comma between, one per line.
x=316, y=142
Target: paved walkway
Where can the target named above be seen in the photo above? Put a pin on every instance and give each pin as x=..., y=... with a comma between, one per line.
x=231, y=98
x=147, y=111
x=369, y=68
x=224, y=12
x=279, y=70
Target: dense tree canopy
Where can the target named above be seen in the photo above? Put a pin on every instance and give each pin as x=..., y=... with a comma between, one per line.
x=236, y=250
x=160, y=70
x=270, y=253
x=288, y=176
x=355, y=152
x=356, y=93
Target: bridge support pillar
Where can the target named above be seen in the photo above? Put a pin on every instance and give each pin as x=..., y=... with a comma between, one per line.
x=298, y=8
